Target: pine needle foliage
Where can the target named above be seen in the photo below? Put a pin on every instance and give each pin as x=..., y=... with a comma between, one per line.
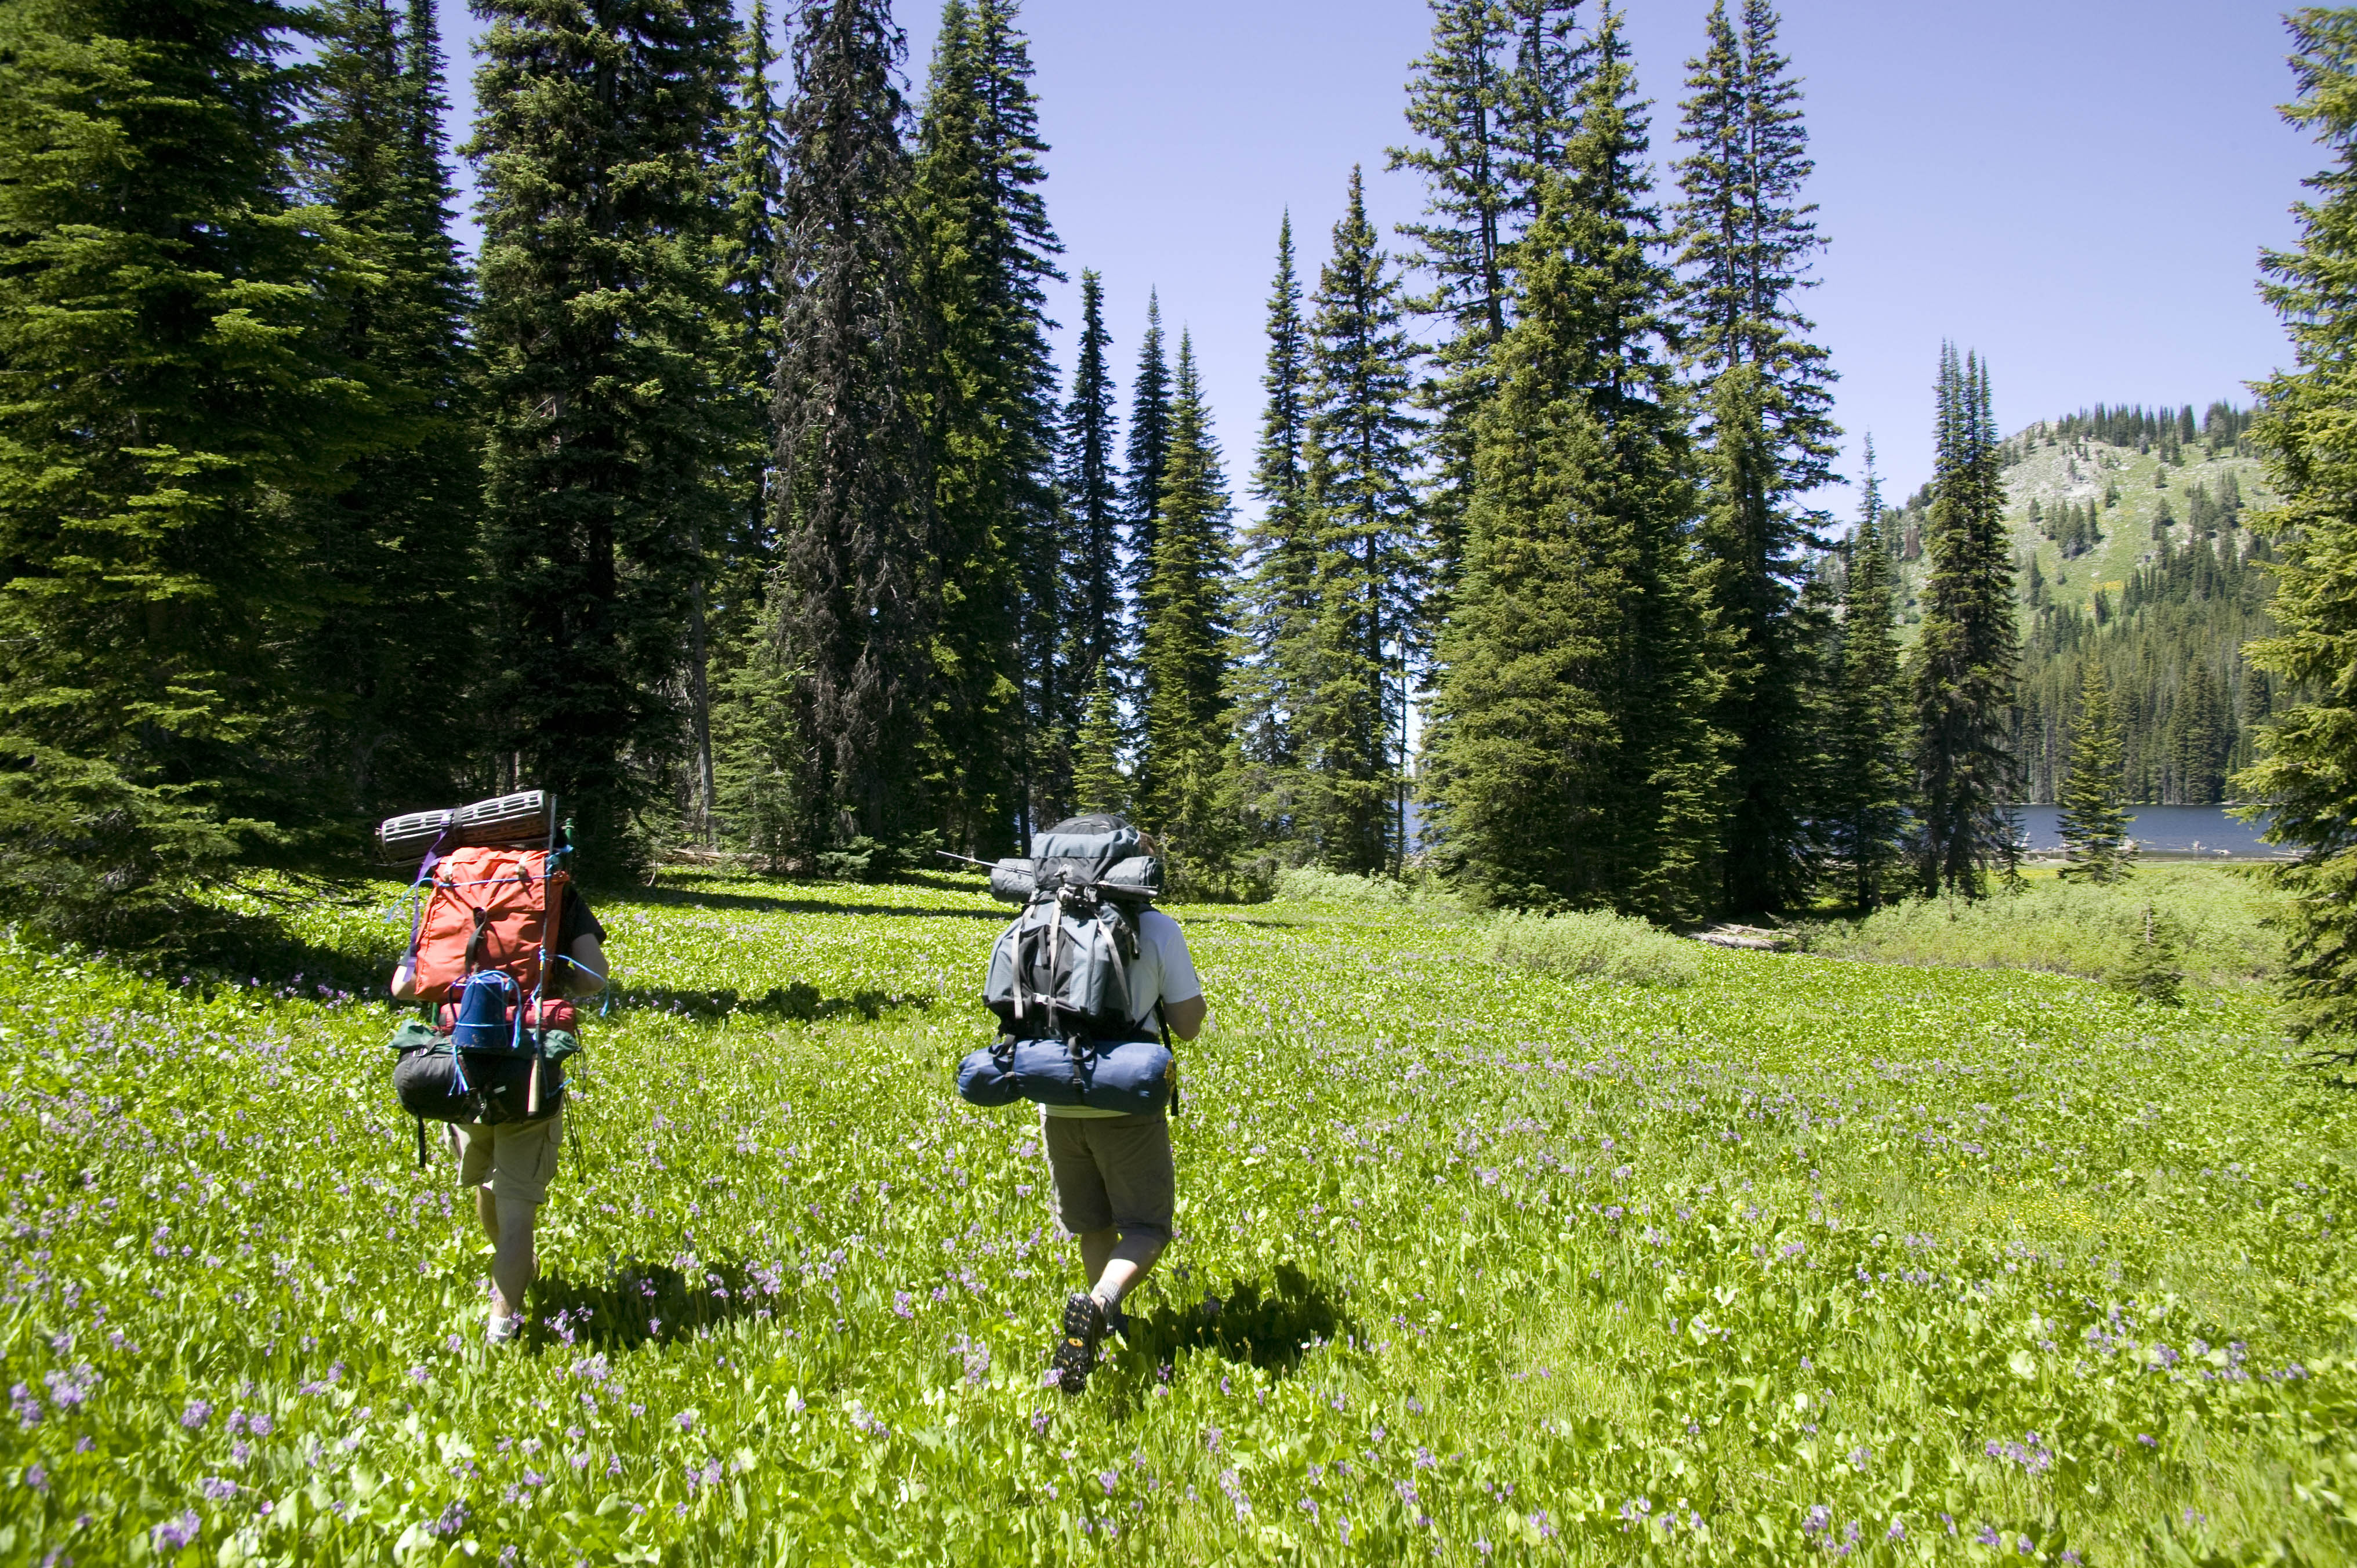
x=1765, y=432
x=855, y=599
x=1183, y=773
x=1358, y=496
x=1866, y=774
x=2306, y=777
x=988, y=253
x=1572, y=758
x=2094, y=826
x=1095, y=594
x=598, y=147
x=173, y=391
x=1963, y=662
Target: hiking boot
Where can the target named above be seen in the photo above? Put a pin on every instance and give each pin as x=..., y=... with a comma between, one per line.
x=1076, y=1351
x=504, y=1330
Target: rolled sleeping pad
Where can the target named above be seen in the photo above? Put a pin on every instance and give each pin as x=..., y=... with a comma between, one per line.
x=407, y=837
x=519, y=818
x=1137, y=880
x=1129, y=1078
x=1010, y=881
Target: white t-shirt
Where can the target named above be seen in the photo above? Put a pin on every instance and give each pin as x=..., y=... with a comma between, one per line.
x=1163, y=970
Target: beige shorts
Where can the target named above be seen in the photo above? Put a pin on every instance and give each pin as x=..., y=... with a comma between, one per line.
x=1112, y=1173
x=516, y=1160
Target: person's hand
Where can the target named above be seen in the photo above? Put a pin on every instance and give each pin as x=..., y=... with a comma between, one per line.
x=404, y=979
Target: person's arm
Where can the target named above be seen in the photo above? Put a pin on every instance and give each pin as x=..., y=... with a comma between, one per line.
x=404, y=979
x=585, y=975
x=1184, y=1018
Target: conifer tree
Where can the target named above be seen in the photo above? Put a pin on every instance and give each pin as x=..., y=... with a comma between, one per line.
x=2093, y=826
x=854, y=601
x=395, y=547
x=1093, y=513
x=1964, y=662
x=1370, y=556
x=1490, y=105
x=1572, y=758
x=1147, y=454
x=170, y=351
x=598, y=143
x=1181, y=778
x=1766, y=432
x=1866, y=770
x=1098, y=782
x=989, y=250
x=1281, y=555
x=723, y=607
x=2308, y=754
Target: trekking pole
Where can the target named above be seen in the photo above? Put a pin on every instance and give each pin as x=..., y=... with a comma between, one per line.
x=969, y=860
x=539, y=982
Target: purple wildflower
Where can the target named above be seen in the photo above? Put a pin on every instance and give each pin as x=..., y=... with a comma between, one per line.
x=174, y=1534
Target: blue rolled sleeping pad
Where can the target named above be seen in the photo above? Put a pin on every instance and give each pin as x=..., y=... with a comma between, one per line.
x=1132, y=1077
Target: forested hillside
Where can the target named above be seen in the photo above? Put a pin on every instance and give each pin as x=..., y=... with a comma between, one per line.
x=2131, y=535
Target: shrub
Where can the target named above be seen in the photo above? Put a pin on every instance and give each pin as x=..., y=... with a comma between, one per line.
x=1309, y=884
x=1612, y=947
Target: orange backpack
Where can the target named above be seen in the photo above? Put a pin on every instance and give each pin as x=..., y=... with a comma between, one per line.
x=490, y=908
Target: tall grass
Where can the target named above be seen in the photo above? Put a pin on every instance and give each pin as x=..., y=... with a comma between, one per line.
x=2213, y=914
x=1610, y=947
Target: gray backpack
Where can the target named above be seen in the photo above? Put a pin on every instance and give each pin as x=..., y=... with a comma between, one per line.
x=1061, y=969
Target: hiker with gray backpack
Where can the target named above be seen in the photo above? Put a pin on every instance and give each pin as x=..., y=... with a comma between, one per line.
x=1089, y=984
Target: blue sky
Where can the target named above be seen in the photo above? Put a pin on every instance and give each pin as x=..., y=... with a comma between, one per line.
x=2078, y=188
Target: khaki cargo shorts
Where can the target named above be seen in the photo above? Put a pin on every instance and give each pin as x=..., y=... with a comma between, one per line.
x=516, y=1160
x=1112, y=1172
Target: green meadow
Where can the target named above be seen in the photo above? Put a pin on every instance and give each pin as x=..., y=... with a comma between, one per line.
x=1492, y=1249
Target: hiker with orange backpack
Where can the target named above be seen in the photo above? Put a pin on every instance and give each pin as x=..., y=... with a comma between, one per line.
x=501, y=944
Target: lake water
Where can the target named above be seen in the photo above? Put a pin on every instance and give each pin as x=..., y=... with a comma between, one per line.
x=2205, y=830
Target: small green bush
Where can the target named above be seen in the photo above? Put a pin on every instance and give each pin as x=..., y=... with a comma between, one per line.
x=1595, y=943
x=1309, y=884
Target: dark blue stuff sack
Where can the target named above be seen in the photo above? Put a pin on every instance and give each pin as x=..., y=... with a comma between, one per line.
x=1133, y=1077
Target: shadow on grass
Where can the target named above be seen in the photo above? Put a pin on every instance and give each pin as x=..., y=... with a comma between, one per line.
x=640, y=1304
x=1271, y=1329
x=800, y=1003
x=770, y=904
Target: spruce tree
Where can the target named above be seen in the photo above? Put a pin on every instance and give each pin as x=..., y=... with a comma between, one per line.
x=989, y=250
x=1147, y=454
x=1866, y=768
x=2094, y=827
x=1964, y=662
x=2309, y=752
x=1181, y=782
x=1092, y=513
x=725, y=600
x=855, y=599
x=1369, y=555
x=395, y=548
x=598, y=142
x=1098, y=782
x=1766, y=433
x=1280, y=553
x=1571, y=760
x=174, y=396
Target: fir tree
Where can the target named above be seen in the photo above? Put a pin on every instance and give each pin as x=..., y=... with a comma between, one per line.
x=1092, y=513
x=1746, y=238
x=2093, y=826
x=1148, y=454
x=1181, y=779
x=395, y=548
x=170, y=350
x=1281, y=553
x=1965, y=658
x=856, y=594
x=989, y=250
x=1866, y=771
x=598, y=143
x=2309, y=752
x=1098, y=782
x=1571, y=756
x=1353, y=714
x=724, y=605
